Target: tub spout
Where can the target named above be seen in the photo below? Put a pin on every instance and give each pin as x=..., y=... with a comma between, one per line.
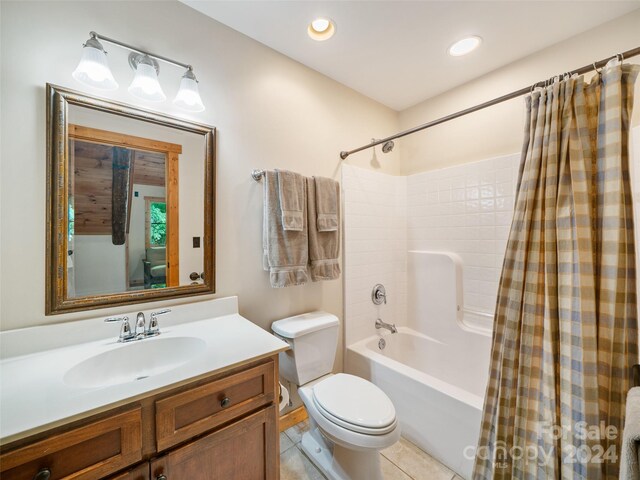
x=389, y=326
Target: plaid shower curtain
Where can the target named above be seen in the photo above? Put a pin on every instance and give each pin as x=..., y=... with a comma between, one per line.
x=565, y=333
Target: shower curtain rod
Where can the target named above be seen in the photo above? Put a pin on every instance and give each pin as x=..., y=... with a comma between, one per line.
x=594, y=66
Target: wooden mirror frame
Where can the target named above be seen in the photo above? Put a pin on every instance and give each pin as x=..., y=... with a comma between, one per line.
x=58, y=101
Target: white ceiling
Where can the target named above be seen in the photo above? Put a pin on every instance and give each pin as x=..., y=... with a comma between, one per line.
x=396, y=51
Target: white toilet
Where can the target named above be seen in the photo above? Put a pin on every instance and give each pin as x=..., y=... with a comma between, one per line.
x=350, y=418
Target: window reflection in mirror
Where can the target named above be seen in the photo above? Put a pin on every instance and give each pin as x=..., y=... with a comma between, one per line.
x=135, y=202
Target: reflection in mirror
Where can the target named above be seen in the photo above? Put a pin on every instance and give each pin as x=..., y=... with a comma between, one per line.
x=130, y=204
x=135, y=204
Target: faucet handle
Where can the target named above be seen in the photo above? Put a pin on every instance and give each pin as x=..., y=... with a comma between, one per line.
x=379, y=294
x=153, y=328
x=125, y=329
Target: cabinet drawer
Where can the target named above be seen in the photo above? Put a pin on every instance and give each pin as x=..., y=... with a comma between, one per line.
x=140, y=472
x=88, y=452
x=180, y=417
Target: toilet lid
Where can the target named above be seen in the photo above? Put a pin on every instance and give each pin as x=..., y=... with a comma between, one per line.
x=355, y=401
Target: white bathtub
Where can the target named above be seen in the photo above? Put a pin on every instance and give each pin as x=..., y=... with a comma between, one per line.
x=436, y=388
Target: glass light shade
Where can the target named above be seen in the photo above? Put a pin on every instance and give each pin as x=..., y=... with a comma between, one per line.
x=93, y=69
x=145, y=84
x=188, y=97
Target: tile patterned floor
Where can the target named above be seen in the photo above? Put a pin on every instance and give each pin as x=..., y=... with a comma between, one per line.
x=402, y=461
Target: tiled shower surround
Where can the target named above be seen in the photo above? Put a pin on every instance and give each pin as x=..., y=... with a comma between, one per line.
x=465, y=209
x=375, y=236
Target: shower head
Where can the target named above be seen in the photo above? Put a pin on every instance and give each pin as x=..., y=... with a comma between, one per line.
x=388, y=146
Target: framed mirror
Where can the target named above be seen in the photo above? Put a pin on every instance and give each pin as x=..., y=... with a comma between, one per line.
x=130, y=204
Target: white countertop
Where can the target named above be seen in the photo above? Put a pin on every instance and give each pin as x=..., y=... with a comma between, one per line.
x=34, y=396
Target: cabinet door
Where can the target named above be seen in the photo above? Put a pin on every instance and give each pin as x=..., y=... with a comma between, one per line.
x=245, y=450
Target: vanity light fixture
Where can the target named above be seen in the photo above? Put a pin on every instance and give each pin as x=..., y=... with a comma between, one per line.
x=321, y=29
x=188, y=97
x=465, y=46
x=94, y=71
x=145, y=84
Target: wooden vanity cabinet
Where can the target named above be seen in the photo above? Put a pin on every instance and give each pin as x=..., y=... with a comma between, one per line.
x=224, y=426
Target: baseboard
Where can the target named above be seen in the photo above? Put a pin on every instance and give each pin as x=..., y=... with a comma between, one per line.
x=293, y=418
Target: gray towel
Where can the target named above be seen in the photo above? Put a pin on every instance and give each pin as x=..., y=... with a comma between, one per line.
x=327, y=195
x=324, y=246
x=286, y=252
x=630, y=464
x=291, y=191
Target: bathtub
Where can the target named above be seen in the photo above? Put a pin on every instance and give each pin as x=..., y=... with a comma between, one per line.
x=437, y=389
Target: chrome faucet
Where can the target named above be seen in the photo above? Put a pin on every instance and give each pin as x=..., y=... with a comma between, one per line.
x=125, y=328
x=389, y=326
x=154, y=328
x=141, y=329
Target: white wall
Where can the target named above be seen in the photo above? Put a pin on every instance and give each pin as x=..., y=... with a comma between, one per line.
x=191, y=209
x=271, y=112
x=375, y=239
x=498, y=130
x=98, y=265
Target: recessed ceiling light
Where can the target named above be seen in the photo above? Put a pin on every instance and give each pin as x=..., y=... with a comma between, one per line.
x=464, y=46
x=321, y=29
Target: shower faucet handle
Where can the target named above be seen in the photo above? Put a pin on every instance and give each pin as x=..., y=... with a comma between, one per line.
x=379, y=294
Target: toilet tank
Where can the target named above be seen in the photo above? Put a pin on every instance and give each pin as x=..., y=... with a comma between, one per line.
x=313, y=338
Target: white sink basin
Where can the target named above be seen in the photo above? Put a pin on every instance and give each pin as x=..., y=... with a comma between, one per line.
x=134, y=361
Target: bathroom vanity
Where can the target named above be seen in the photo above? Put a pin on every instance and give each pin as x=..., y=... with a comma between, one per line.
x=209, y=411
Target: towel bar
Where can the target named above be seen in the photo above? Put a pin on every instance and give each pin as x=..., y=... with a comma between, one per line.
x=257, y=175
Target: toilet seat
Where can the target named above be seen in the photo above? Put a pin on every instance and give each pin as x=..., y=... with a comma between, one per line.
x=355, y=404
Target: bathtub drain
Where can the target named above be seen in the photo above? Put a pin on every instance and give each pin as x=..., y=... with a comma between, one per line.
x=382, y=343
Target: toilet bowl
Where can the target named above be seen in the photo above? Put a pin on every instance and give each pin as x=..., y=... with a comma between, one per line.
x=350, y=418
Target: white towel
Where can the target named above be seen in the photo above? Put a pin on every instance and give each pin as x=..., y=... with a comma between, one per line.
x=630, y=455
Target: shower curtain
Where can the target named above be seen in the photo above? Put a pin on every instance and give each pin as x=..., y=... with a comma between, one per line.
x=565, y=333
